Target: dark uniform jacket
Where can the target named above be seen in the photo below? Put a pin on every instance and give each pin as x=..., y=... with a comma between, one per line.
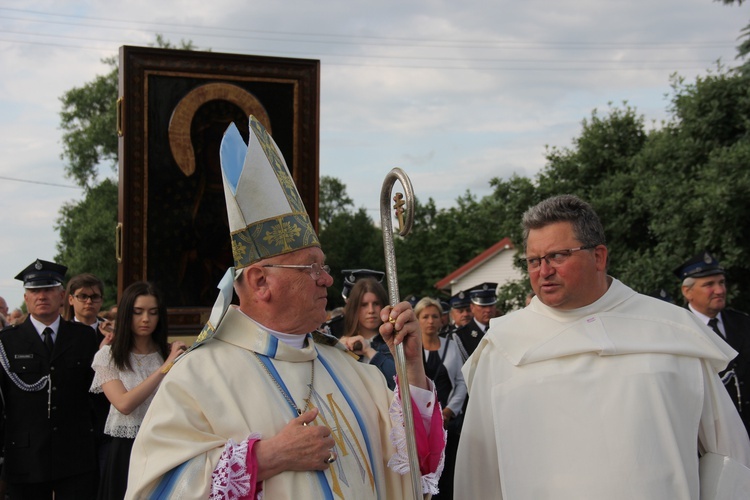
x=468, y=337
x=44, y=444
x=737, y=328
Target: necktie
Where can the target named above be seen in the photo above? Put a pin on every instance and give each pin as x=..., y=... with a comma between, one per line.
x=47, y=333
x=714, y=324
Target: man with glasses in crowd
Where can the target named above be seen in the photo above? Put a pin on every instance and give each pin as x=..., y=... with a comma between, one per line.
x=45, y=378
x=84, y=302
x=594, y=390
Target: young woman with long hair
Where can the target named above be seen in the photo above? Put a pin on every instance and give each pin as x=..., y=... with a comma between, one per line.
x=129, y=373
x=361, y=324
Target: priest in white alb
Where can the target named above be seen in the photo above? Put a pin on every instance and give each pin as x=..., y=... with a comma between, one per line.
x=594, y=391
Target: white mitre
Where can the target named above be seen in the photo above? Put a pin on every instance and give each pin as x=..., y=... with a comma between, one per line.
x=266, y=214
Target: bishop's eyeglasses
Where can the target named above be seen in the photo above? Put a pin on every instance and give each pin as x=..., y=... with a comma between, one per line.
x=315, y=269
x=553, y=259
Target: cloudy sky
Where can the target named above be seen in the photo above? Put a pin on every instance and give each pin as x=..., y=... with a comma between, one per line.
x=453, y=92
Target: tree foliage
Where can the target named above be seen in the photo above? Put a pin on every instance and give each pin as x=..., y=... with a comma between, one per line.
x=666, y=195
x=663, y=195
x=441, y=241
x=87, y=236
x=89, y=123
x=88, y=119
x=348, y=237
x=743, y=48
x=696, y=193
x=332, y=200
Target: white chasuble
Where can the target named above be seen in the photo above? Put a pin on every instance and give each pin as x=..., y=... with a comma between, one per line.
x=222, y=391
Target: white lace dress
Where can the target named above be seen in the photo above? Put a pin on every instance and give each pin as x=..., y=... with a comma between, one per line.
x=143, y=365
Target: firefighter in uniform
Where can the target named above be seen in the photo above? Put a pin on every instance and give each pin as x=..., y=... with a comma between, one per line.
x=46, y=373
x=483, y=300
x=705, y=290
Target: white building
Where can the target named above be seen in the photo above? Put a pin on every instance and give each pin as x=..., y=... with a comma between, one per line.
x=494, y=265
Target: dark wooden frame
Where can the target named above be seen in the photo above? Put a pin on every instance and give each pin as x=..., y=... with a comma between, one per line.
x=151, y=84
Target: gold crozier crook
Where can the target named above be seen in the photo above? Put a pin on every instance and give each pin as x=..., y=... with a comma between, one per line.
x=404, y=211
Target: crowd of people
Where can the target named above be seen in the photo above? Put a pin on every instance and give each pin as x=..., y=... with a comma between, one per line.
x=73, y=397
x=589, y=391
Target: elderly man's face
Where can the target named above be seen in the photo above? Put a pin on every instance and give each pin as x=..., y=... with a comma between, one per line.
x=708, y=295
x=483, y=314
x=303, y=298
x=44, y=303
x=571, y=284
x=461, y=315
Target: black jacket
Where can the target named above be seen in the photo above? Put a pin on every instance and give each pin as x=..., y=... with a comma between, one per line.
x=737, y=328
x=468, y=337
x=48, y=441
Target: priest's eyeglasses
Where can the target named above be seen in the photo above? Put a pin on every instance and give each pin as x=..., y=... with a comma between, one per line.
x=553, y=259
x=315, y=269
x=83, y=298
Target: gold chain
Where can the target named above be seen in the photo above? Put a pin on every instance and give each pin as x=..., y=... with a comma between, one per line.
x=284, y=393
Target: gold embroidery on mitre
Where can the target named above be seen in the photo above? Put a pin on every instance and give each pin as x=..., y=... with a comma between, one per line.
x=282, y=234
x=275, y=236
x=238, y=250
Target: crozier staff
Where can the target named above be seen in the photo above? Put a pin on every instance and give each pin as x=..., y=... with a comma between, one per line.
x=262, y=405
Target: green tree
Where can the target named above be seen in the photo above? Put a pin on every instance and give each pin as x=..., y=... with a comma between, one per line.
x=743, y=48
x=662, y=195
x=333, y=200
x=89, y=123
x=698, y=180
x=82, y=226
x=88, y=120
x=348, y=237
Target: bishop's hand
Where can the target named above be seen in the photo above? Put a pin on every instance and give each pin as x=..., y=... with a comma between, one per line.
x=400, y=326
x=299, y=446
